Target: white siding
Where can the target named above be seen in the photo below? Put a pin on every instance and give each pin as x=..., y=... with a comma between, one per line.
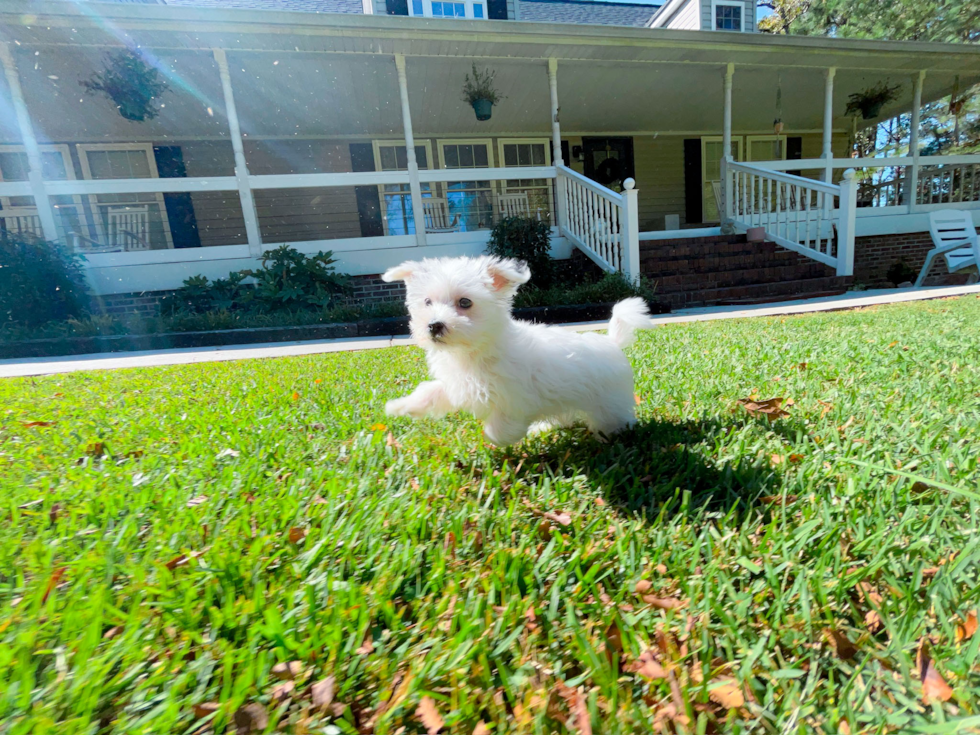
x=686, y=17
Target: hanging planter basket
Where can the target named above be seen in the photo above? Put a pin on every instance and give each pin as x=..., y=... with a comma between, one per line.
x=130, y=83
x=869, y=102
x=483, y=109
x=478, y=91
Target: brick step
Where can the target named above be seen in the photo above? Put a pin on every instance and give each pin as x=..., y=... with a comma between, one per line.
x=758, y=292
x=740, y=277
x=660, y=268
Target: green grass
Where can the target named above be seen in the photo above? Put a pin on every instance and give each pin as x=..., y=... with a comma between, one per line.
x=433, y=547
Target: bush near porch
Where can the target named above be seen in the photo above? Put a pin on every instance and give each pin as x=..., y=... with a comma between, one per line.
x=175, y=537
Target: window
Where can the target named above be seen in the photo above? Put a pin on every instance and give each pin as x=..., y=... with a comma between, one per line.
x=445, y=9
x=727, y=15
x=399, y=217
x=711, y=153
x=127, y=221
x=471, y=200
x=521, y=154
x=19, y=214
x=765, y=147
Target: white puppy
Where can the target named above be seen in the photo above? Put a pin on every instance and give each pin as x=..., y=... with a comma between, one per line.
x=511, y=374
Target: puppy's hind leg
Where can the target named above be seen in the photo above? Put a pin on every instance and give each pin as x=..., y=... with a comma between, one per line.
x=503, y=430
x=428, y=399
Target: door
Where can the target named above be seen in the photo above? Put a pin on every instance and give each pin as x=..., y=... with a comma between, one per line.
x=608, y=161
x=711, y=154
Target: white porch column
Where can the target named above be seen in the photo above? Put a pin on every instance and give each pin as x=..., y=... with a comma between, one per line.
x=726, y=129
x=828, y=121
x=556, y=158
x=912, y=193
x=35, y=176
x=252, y=231
x=413, y=164
x=630, y=236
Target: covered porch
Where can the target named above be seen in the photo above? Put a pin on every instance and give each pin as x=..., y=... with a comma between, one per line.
x=347, y=133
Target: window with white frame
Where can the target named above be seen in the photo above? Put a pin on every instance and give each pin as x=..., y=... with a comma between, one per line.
x=399, y=215
x=471, y=201
x=18, y=214
x=523, y=153
x=476, y=9
x=726, y=15
x=135, y=221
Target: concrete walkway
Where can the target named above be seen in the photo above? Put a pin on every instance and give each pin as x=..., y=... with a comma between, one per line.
x=116, y=360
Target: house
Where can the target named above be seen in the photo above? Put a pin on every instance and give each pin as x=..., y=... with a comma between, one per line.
x=345, y=131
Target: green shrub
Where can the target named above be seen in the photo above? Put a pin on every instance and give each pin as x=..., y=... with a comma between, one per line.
x=900, y=272
x=200, y=295
x=288, y=279
x=610, y=288
x=40, y=281
x=526, y=239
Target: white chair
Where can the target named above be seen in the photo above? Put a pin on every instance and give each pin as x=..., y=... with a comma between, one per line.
x=129, y=227
x=955, y=238
x=514, y=205
x=436, y=212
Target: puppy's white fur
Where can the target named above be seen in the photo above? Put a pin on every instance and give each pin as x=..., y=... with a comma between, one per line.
x=512, y=374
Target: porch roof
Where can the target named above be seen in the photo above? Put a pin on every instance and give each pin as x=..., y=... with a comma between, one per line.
x=611, y=79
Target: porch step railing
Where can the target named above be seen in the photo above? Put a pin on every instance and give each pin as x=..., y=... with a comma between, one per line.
x=811, y=217
x=602, y=223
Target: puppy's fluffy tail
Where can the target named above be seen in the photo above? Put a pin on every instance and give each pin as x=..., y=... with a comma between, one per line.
x=628, y=316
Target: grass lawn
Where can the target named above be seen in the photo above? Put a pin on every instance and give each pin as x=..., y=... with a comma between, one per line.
x=175, y=533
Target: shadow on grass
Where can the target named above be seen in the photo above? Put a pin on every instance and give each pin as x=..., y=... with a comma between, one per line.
x=657, y=466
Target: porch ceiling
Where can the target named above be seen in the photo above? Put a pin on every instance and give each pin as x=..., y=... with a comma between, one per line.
x=333, y=75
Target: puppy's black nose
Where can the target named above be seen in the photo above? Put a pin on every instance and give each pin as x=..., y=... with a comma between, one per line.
x=437, y=329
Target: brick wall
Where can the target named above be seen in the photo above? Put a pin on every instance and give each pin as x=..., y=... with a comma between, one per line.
x=372, y=290
x=873, y=256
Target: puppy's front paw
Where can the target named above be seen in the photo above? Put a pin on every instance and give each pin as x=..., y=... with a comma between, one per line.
x=398, y=407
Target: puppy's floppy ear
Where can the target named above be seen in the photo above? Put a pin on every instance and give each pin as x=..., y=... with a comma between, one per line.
x=506, y=275
x=400, y=272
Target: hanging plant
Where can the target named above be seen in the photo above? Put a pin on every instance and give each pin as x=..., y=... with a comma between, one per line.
x=479, y=91
x=130, y=83
x=869, y=102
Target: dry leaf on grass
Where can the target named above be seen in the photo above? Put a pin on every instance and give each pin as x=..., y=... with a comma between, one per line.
x=649, y=667
x=113, y=632
x=95, y=449
x=33, y=424
x=636, y=399
x=779, y=499
x=872, y=620
x=481, y=728
x=322, y=693
x=577, y=705
x=379, y=427
x=296, y=534
x=966, y=629
x=205, y=708
x=663, y=603
x=56, y=577
x=288, y=670
x=643, y=586
x=183, y=559
x=771, y=408
x=197, y=501
x=251, y=718
x=282, y=692
x=840, y=643
x=726, y=692
x=429, y=716
x=933, y=685
x=295, y=396
x=365, y=648
x=795, y=458
x=827, y=407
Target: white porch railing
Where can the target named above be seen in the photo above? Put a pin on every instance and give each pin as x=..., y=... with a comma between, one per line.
x=810, y=217
x=601, y=223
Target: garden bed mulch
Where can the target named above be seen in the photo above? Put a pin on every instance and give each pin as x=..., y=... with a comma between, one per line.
x=382, y=327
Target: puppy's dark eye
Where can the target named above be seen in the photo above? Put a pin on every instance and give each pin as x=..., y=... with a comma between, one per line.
x=428, y=302
x=465, y=303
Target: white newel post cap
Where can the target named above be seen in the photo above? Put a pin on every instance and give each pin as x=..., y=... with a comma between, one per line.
x=629, y=184
x=850, y=174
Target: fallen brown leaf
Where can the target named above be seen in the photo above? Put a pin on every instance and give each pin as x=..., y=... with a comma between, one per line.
x=795, y=458
x=843, y=728
x=322, y=693
x=288, y=670
x=636, y=399
x=577, y=705
x=366, y=647
x=649, y=667
x=776, y=460
x=95, y=449
x=183, y=559
x=296, y=534
x=840, y=643
x=205, y=708
x=450, y=544
x=193, y=502
x=562, y=519
x=295, y=396
x=429, y=716
x=391, y=441
x=663, y=603
x=56, y=576
x=643, y=586
x=54, y=512
x=251, y=718
x=779, y=499
x=933, y=684
x=771, y=408
x=661, y=568
x=481, y=728
x=966, y=629
x=282, y=692
x=33, y=424
x=113, y=632
x=802, y=366
x=892, y=344
x=726, y=692
x=827, y=407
